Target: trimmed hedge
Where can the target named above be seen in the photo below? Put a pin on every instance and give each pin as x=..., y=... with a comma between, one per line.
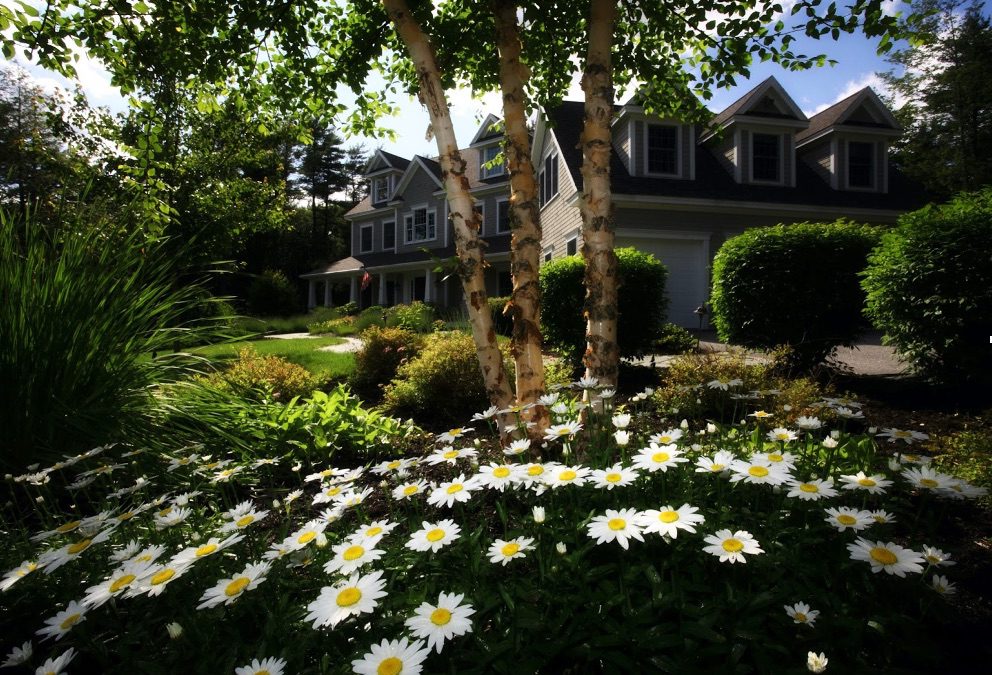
x=642, y=303
x=929, y=288
x=794, y=285
x=383, y=351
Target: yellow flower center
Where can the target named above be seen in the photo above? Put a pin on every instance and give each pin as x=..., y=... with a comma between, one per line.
x=732, y=545
x=928, y=482
x=883, y=556
x=410, y=490
x=911, y=458
x=353, y=553
x=450, y=454
x=660, y=457
x=535, y=470
x=617, y=524
x=808, y=487
x=501, y=472
x=902, y=434
x=349, y=597
x=70, y=621
x=264, y=671
x=866, y=482
x=326, y=472
x=613, y=478
x=457, y=487
x=206, y=549
x=212, y=465
x=879, y=518
x=564, y=431
x=307, y=537
x=126, y=516
x=510, y=549
x=68, y=527
x=372, y=531
x=236, y=586
x=717, y=467
x=245, y=521
x=395, y=464
x=331, y=492
x=164, y=512
x=668, y=516
x=758, y=471
x=121, y=583
x=79, y=546
x=567, y=475
x=665, y=440
x=776, y=458
x=455, y=432
x=390, y=666
x=162, y=576
x=932, y=559
x=436, y=534
x=440, y=616
x=845, y=519
x=800, y=617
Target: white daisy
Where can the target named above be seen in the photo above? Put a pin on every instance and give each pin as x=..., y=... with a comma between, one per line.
x=241, y=516
x=56, y=666
x=720, y=462
x=667, y=437
x=313, y=530
x=848, y=519
x=562, y=431
x=927, y=478
x=615, y=476
x=731, y=546
x=212, y=546
x=936, y=557
x=457, y=490
x=391, y=466
x=399, y=657
x=451, y=435
x=781, y=434
x=118, y=583
x=60, y=624
x=53, y=559
x=349, y=556
x=810, y=490
x=434, y=536
x=658, y=457
x=760, y=415
x=808, y=423
x=560, y=476
x=619, y=526
x=517, y=447
x=19, y=655
x=442, y=621
x=667, y=521
x=801, y=613
x=621, y=421
x=875, y=484
x=758, y=471
x=882, y=517
x=892, y=558
x=449, y=455
x=11, y=577
x=228, y=590
x=504, y=551
x=355, y=595
x=407, y=490
x=486, y=414
x=783, y=459
x=942, y=585
x=373, y=533
x=325, y=474
x=329, y=493
x=157, y=577
x=174, y=517
x=907, y=437
x=498, y=476
x=269, y=666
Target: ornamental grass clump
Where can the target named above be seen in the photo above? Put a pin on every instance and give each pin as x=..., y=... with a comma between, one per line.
x=616, y=544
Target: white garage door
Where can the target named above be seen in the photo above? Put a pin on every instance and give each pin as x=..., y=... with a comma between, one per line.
x=687, y=274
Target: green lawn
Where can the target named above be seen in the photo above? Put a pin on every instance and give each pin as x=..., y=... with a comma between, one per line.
x=302, y=351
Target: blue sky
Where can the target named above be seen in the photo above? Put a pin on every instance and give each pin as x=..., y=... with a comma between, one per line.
x=812, y=90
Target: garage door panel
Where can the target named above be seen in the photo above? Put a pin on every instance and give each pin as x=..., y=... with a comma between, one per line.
x=687, y=273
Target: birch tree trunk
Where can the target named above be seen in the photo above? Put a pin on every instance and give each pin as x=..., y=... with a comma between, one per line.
x=464, y=218
x=598, y=232
x=525, y=247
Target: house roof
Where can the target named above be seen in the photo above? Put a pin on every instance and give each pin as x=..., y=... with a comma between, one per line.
x=372, y=261
x=838, y=113
x=714, y=182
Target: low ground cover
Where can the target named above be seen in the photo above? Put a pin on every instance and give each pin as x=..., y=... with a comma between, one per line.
x=625, y=541
x=305, y=352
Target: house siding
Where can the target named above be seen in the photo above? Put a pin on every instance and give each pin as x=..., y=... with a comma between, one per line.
x=420, y=190
x=818, y=158
x=559, y=221
x=621, y=142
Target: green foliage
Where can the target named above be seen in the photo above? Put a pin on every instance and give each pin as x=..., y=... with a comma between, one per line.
x=967, y=454
x=277, y=377
x=271, y=294
x=674, y=340
x=245, y=325
x=793, y=285
x=306, y=352
x=344, y=325
x=502, y=323
x=642, y=303
x=442, y=384
x=928, y=288
x=383, y=351
x=417, y=316
x=349, y=309
x=83, y=307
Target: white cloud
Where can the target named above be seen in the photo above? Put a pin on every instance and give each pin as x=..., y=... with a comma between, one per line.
x=853, y=86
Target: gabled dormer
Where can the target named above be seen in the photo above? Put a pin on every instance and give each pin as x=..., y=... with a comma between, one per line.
x=754, y=138
x=488, y=141
x=847, y=144
x=383, y=172
x=653, y=146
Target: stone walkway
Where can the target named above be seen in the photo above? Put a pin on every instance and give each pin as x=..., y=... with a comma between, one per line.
x=350, y=344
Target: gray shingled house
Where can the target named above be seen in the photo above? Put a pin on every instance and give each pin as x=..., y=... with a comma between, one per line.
x=680, y=190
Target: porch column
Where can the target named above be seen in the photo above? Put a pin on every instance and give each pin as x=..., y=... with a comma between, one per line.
x=353, y=295
x=328, y=301
x=429, y=286
x=382, y=290
x=311, y=294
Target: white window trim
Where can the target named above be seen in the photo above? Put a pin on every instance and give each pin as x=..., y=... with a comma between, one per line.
x=781, y=159
x=503, y=200
x=388, y=182
x=553, y=153
x=496, y=171
x=548, y=253
x=574, y=237
x=410, y=214
x=361, y=238
x=385, y=225
x=678, y=150
x=480, y=205
x=847, y=168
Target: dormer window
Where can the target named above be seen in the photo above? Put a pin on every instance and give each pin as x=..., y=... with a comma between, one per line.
x=381, y=188
x=663, y=150
x=766, y=158
x=860, y=165
x=489, y=154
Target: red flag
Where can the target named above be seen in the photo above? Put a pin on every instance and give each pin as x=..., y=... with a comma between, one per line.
x=366, y=280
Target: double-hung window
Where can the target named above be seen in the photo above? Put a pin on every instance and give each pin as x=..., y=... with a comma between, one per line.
x=663, y=149
x=766, y=158
x=489, y=155
x=860, y=164
x=420, y=225
x=365, y=243
x=380, y=189
x=503, y=216
x=388, y=235
x=549, y=178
